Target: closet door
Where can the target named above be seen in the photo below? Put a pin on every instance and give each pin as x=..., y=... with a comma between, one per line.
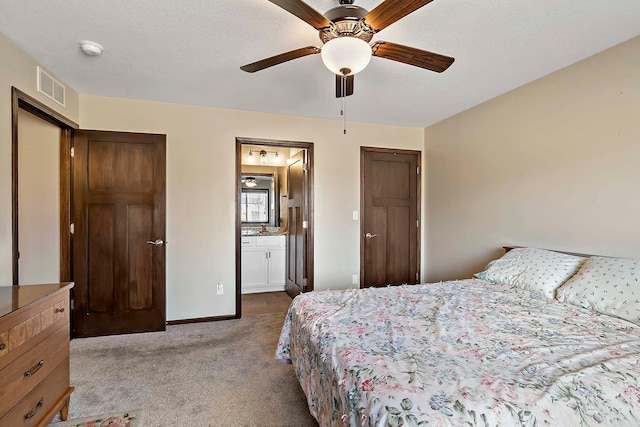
x=119, y=248
x=390, y=233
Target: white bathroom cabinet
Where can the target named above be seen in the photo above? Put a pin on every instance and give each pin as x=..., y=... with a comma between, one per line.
x=263, y=264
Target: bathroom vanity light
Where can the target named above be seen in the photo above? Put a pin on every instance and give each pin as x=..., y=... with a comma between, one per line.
x=264, y=156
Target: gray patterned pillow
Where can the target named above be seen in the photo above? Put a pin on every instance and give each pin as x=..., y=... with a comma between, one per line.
x=606, y=285
x=537, y=270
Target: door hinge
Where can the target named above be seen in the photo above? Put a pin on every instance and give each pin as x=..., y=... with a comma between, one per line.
x=305, y=285
x=305, y=167
x=72, y=228
x=417, y=277
x=71, y=304
x=73, y=152
x=418, y=170
x=417, y=223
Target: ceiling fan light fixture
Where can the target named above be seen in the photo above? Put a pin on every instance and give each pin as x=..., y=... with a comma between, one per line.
x=346, y=55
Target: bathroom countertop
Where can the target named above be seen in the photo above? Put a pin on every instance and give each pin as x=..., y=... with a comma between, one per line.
x=269, y=232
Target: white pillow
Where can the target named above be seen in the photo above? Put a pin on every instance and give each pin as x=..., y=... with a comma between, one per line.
x=606, y=285
x=537, y=270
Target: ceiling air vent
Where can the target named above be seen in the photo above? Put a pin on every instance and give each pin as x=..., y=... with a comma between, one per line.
x=50, y=87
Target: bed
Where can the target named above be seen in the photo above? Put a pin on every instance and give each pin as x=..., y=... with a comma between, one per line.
x=476, y=352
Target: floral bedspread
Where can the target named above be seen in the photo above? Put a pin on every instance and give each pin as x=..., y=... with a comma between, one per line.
x=461, y=353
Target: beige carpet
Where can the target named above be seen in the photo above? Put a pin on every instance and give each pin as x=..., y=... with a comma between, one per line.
x=202, y=374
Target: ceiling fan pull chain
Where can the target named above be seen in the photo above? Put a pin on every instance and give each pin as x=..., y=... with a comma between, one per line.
x=343, y=112
x=344, y=117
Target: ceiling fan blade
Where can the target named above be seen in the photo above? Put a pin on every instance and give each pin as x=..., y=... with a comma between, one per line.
x=412, y=56
x=279, y=59
x=349, y=86
x=389, y=11
x=304, y=12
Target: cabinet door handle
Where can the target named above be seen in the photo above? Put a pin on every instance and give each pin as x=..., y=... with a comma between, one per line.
x=3, y=346
x=32, y=412
x=34, y=369
x=58, y=310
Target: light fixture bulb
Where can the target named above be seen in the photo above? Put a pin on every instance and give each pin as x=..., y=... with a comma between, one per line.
x=263, y=157
x=346, y=55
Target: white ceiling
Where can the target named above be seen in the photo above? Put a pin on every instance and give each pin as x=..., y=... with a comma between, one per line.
x=190, y=51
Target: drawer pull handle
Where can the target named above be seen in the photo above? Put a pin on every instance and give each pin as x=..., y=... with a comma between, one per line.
x=3, y=346
x=32, y=412
x=34, y=369
x=58, y=310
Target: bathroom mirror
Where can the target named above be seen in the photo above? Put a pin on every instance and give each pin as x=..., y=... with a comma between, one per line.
x=263, y=168
x=258, y=199
x=254, y=206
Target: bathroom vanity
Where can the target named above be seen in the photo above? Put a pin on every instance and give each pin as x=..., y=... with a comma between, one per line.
x=263, y=263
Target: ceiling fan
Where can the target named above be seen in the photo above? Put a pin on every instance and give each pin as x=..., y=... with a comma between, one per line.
x=346, y=31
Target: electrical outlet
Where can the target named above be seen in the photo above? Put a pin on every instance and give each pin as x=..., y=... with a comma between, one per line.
x=356, y=215
x=220, y=289
x=354, y=279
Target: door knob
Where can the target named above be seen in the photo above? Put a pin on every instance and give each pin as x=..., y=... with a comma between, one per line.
x=370, y=236
x=157, y=242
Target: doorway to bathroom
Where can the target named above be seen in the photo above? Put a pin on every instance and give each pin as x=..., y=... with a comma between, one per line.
x=274, y=218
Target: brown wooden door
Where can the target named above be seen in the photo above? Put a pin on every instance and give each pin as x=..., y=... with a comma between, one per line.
x=119, y=206
x=297, y=236
x=390, y=239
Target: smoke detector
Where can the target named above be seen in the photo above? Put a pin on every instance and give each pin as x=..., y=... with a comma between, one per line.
x=91, y=48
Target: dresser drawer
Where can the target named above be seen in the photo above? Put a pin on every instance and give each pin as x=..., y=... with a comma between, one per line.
x=33, y=326
x=23, y=374
x=4, y=343
x=60, y=310
x=30, y=410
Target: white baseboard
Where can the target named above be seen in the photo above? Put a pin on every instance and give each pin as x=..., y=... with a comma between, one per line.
x=267, y=288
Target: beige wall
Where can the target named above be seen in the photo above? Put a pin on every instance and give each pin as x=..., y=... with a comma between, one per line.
x=39, y=196
x=552, y=164
x=201, y=185
x=17, y=69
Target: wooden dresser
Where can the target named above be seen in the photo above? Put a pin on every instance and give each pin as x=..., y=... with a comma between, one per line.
x=34, y=354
